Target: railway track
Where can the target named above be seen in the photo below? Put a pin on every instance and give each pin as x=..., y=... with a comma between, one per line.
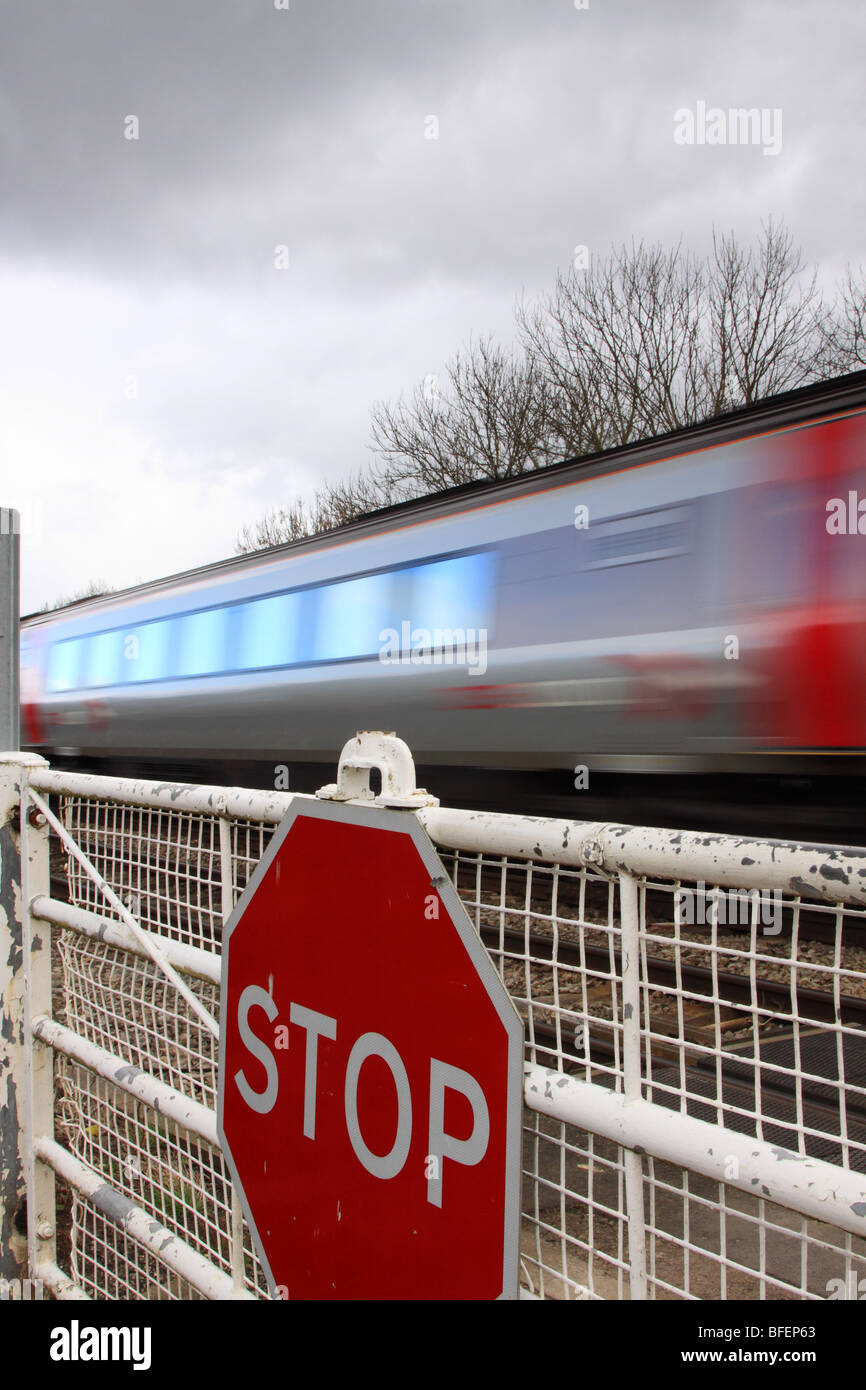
x=734, y=990
x=810, y=922
x=811, y=1085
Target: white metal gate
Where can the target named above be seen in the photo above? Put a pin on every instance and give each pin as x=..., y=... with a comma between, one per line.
x=695, y=1010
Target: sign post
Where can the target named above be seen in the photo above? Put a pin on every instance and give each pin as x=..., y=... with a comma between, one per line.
x=9, y=584
x=371, y=1065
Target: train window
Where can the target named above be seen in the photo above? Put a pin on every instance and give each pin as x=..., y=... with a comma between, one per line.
x=64, y=664
x=199, y=643
x=145, y=652
x=628, y=540
x=351, y=615
x=269, y=629
x=782, y=517
x=102, y=659
x=453, y=594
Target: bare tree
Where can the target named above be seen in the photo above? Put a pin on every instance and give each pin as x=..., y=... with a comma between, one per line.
x=276, y=527
x=649, y=340
x=844, y=330
x=764, y=320
x=620, y=344
x=491, y=417
x=335, y=504
x=95, y=589
x=642, y=341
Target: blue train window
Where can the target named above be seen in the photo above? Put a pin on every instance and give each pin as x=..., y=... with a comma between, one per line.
x=444, y=597
x=199, y=643
x=453, y=595
x=144, y=651
x=269, y=632
x=64, y=664
x=102, y=659
x=351, y=615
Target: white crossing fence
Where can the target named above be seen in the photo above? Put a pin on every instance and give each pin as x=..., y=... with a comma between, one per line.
x=10, y=525
x=695, y=1013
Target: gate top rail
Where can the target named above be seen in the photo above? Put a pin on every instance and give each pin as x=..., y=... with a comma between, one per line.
x=828, y=873
x=239, y=803
x=831, y=873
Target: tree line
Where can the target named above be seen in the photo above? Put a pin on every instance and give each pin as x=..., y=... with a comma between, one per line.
x=625, y=346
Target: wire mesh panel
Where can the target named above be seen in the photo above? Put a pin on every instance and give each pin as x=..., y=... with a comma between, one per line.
x=166, y=867
x=756, y=1020
x=711, y=1241
x=741, y=1008
x=752, y=1017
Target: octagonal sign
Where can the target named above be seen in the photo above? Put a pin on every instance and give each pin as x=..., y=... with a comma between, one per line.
x=370, y=1089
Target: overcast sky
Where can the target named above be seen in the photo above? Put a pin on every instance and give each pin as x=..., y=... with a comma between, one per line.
x=162, y=381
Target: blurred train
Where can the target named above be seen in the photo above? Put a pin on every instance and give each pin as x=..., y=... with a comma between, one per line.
x=692, y=603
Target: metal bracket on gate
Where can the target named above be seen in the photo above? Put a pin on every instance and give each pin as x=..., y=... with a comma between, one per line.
x=592, y=852
x=391, y=756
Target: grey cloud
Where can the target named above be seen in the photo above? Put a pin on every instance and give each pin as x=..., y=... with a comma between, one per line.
x=258, y=124
x=258, y=127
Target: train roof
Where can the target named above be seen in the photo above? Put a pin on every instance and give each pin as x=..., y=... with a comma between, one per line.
x=773, y=412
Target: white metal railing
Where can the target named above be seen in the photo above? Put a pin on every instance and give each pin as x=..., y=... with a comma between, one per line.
x=695, y=1085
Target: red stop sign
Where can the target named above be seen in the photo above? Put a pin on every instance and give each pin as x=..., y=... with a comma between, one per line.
x=370, y=1068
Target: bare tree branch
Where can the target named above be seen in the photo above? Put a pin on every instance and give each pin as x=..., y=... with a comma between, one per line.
x=764, y=321
x=620, y=344
x=492, y=417
x=335, y=504
x=844, y=329
x=95, y=589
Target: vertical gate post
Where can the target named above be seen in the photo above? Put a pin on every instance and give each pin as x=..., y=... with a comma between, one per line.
x=18, y=882
x=631, y=1059
x=9, y=724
